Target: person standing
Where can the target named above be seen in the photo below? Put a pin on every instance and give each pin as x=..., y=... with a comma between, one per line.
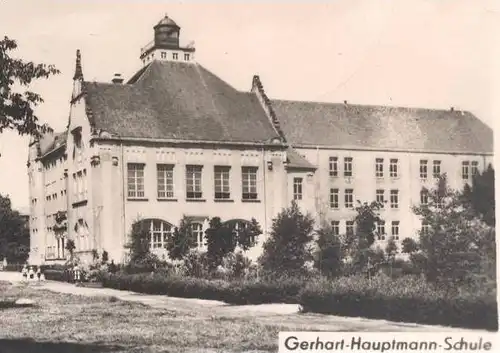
x=39, y=273
x=24, y=272
x=31, y=273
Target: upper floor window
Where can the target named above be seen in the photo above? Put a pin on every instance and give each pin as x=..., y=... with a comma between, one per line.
x=423, y=169
x=297, y=188
x=175, y=56
x=197, y=229
x=474, y=168
x=163, y=55
x=349, y=227
x=395, y=229
x=393, y=168
x=135, y=180
x=335, y=227
x=348, y=166
x=165, y=181
x=465, y=170
x=349, y=198
x=334, y=166
x=193, y=181
x=424, y=197
x=436, y=169
x=249, y=183
x=379, y=167
x=380, y=197
x=221, y=180
x=381, y=230
x=186, y=56
x=334, y=198
x=394, y=199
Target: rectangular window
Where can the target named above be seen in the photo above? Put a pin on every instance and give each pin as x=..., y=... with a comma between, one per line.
x=334, y=198
x=394, y=199
x=381, y=230
x=335, y=227
x=465, y=170
x=349, y=227
x=425, y=227
x=334, y=167
x=186, y=57
x=297, y=188
x=165, y=181
x=249, y=183
x=163, y=55
x=379, y=168
x=221, y=180
x=348, y=166
x=474, y=168
x=424, y=197
x=436, y=169
x=380, y=197
x=135, y=180
x=157, y=235
x=393, y=168
x=349, y=198
x=197, y=229
x=395, y=229
x=193, y=181
x=175, y=56
x=423, y=169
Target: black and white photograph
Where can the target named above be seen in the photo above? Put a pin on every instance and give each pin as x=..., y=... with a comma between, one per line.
x=213, y=176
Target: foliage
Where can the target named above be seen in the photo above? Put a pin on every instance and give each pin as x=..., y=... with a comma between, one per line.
x=328, y=257
x=409, y=246
x=70, y=246
x=14, y=233
x=391, y=249
x=104, y=257
x=236, y=265
x=139, y=244
x=16, y=106
x=181, y=240
x=408, y=299
x=481, y=196
x=247, y=236
x=286, y=250
x=457, y=241
x=195, y=264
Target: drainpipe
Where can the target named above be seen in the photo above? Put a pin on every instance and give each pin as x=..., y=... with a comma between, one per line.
x=265, y=192
x=123, y=195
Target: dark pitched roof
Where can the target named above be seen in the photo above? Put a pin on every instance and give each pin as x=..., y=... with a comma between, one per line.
x=176, y=100
x=379, y=127
x=51, y=141
x=296, y=161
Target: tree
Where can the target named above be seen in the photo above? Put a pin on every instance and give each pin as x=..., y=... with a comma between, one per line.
x=70, y=246
x=481, y=196
x=181, y=240
x=409, y=246
x=246, y=237
x=17, y=102
x=220, y=242
x=14, y=233
x=328, y=257
x=286, y=250
x=391, y=249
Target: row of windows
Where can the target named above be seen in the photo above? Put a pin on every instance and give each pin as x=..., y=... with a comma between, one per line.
x=80, y=185
x=349, y=198
x=381, y=231
x=193, y=181
x=469, y=168
x=164, y=55
x=53, y=196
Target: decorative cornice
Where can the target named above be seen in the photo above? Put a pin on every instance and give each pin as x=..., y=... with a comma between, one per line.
x=258, y=88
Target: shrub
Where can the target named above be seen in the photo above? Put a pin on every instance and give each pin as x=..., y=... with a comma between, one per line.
x=409, y=299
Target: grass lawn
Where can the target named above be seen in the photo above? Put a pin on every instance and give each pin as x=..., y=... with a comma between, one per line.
x=69, y=323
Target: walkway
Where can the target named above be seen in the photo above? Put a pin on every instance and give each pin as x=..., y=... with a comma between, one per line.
x=287, y=314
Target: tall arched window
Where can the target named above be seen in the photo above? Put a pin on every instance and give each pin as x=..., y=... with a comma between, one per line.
x=198, y=233
x=159, y=231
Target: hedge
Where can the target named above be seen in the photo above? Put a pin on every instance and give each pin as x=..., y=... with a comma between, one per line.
x=404, y=300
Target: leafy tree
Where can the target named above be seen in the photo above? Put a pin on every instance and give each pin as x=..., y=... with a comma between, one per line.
x=182, y=240
x=70, y=246
x=104, y=257
x=409, y=246
x=139, y=244
x=247, y=236
x=14, y=233
x=481, y=196
x=220, y=242
x=286, y=250
x=391, y=249
x=17, y=102
x=328, y=257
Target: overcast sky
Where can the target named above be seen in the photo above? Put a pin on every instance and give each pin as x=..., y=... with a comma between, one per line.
x=417, y=53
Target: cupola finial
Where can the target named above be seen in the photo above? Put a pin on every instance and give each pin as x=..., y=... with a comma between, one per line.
x=78, y=68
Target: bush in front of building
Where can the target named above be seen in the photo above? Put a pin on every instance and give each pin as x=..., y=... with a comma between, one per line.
x=406, y=299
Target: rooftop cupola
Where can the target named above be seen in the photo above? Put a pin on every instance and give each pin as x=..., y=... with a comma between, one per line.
x=166, y=44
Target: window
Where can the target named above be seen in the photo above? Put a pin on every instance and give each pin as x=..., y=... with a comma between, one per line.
x=424, y=197
x=379, y=168
x=334, y=198
x=163, y=55
x=335, y=227
x=465, y=170
x=393, y=168
x=175, y=56
x=297, y=188
x=221, y=180
x=394, y=199
x=197, y=229
x=474, y=169
x=348, y=166
x=425, y=227
x=379, y=197
x=135, y=180
x=165, y=181
x=381, y=230
x=186, y=56
x=423, y=169
x=193, y=181
x=249, y=186
x=349, y=198
x=436, y=169
x=334, y=166
x=395, y=229
x=349, y=227
x=160, y=232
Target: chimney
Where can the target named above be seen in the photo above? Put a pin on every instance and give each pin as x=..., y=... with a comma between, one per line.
x=345, y=102
x=117, y=79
